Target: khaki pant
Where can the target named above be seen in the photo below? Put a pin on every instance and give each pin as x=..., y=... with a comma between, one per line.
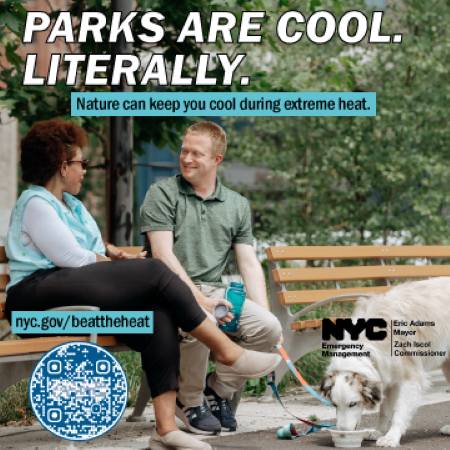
x=259, y=330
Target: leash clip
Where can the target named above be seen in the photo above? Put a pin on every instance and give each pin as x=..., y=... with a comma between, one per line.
x=271, y=378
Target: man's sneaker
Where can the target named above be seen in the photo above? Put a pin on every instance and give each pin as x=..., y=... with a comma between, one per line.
x=221, y=409
x=198, y=420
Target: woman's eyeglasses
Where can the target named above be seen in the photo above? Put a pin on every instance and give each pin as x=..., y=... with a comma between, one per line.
x=84, y=163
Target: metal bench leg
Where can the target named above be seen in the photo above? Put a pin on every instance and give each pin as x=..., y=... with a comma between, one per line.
x=11, y=372
x=234, y=403
x=141, y=401
x=283, y=315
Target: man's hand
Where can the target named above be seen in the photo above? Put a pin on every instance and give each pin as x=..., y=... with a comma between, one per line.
x=209, y=303
x=114, y=254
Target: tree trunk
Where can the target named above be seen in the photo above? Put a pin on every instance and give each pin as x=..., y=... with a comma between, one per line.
x=120, y=224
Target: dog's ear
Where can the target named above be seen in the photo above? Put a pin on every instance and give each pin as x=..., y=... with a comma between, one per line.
x=371, y=392
x=327, y=383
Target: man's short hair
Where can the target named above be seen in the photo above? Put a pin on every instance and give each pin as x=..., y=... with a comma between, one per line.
x=214, y=132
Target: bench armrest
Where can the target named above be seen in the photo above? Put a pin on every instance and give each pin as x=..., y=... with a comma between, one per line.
x=326, y=301
x=93, y=337
x=6, y=332
x=75, y=308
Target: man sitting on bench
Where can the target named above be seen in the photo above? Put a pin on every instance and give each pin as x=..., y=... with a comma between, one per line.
x=191, y=222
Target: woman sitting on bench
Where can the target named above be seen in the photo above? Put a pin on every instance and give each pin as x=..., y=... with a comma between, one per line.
x=54, y=247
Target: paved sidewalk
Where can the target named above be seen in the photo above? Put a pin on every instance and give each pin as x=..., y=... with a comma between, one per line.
x=257, y=427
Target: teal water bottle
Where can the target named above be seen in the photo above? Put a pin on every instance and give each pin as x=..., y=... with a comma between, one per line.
x=235, y=294
x=237, y=286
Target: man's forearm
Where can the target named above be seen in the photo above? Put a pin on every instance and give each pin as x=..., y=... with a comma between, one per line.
x=255, y=283
x=174, y=265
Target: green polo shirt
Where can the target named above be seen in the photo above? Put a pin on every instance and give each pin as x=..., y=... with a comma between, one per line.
x=203, y=229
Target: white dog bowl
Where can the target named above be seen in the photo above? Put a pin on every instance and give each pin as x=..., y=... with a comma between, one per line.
x=348, y=438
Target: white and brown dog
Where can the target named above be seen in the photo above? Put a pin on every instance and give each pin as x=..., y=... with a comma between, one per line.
x=418, y=329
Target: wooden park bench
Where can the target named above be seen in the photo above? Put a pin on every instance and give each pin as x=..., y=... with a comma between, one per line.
x=304, y=336
x=18, y=357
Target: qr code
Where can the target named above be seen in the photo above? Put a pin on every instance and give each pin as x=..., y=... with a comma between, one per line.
x=78, y=391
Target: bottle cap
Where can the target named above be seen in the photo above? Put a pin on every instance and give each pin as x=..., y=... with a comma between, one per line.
x=220, y=310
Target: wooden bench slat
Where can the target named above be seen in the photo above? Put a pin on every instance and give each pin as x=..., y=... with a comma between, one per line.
x=3, y=258
x=4, y=280
x=132, y=250
x=311, y=323
x=356, y=252
x=37, y=345
x=2, y=306
x=313, y=296
x=291, y=275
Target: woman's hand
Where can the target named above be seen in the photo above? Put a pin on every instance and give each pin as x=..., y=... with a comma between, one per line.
x=114, y=253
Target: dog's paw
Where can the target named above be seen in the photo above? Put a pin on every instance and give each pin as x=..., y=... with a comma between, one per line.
x=445, y=429
x=388, y=441
x=373, y=435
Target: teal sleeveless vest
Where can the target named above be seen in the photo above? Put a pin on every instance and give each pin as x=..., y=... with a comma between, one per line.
x=23, y=261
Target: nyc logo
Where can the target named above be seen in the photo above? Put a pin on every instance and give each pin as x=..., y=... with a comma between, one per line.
x=337, y=329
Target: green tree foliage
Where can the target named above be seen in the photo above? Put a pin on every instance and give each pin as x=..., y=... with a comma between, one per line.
x=12, y=19
x=336, y=180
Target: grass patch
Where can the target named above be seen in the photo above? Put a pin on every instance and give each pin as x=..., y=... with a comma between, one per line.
x=131, y=363
x=14, y=403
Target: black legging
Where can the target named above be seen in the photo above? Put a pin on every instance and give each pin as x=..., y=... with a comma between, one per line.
x=127, y=285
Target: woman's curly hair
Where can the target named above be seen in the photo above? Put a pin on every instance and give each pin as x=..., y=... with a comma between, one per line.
x=46, y=145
